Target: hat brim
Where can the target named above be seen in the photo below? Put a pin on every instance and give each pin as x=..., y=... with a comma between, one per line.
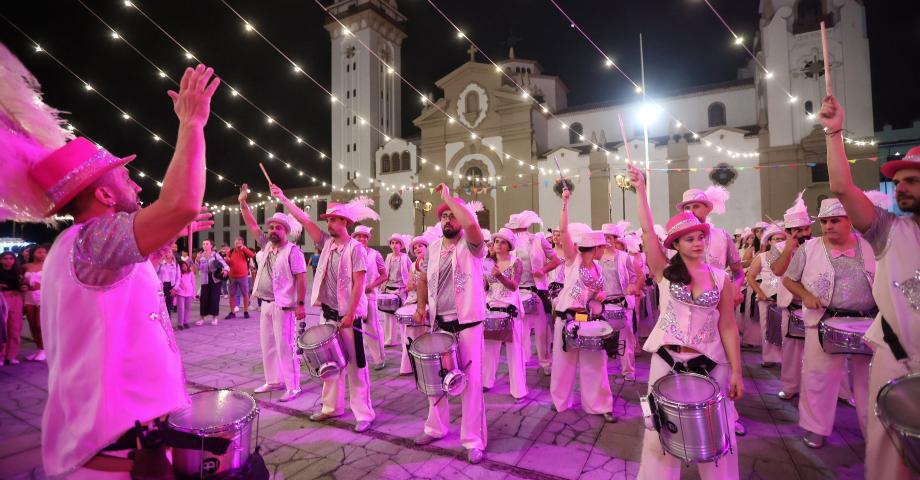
x=510, y=242
x=680, y=206
x=279, y=222
x=890, y=168
x=86, y=183
x=701, y=227
x=327, y=216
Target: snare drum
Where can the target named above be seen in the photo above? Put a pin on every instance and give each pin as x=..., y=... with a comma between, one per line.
x=436, y=363
x=844, y=335
x=529, y=301
x=796, y=324
x=898, y=410
x=388, y=302
x=405, y=315
x=774, y=331
x=615, y=316
x=589, y=335
x=497, y=326
x=215, y=413
x=321, y=348
x=691, y=417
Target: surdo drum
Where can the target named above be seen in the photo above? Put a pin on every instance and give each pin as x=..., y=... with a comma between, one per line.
x=898, y=409
x=689, y=412
x=436, y=363
x=226, y=414
x=844, y=335
x=322, y=351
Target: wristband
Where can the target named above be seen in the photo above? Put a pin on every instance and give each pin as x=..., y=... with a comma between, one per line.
x=831, y=134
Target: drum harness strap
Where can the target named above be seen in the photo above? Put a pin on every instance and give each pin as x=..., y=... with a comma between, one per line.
x=510, y=310
x=701, y=364
x=331, y=314
x=544, y=297
x=894, y=344
x=453, y=326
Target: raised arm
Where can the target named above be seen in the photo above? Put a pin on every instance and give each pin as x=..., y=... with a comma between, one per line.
x=859, y=208
x=183, y=186
x=248, y=217
x=312, y=228
x=467, y=221
x=568, y=246
x=654, y=254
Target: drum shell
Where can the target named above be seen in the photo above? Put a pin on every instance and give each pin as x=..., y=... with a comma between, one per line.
x=329, y=351
x=796, y=325
x=431, y=368
x=908, y=438
x=837, y=341
x=529, y=302
x=409, y=320
x=191, y=462
x=693, y=432
x=388, y=302
x=496, y=323
x=774, y=331
x=586, y=343
x=615, y=316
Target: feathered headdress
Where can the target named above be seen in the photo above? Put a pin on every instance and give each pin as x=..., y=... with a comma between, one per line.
x=631, y=242
x=797, y=215
x=356, y=210
x=523, y=219
x=660, y=232
x=719, y=197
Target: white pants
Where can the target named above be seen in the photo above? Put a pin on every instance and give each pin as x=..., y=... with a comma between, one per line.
x=405, y=366
x=514, y=356
x=390, y=328
x=473, y=433
x=790, y=375
x=768, y=351
x=822, y=374
x=539, y=323
x=656, y=465
x=750, y=331
x=359, y=385
x=279, y=349
x=594, y=383
x=374, y=347
x=883, y=458
x=630, y=342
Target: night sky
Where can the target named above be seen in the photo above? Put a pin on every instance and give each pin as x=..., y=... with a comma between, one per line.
x=685, y=46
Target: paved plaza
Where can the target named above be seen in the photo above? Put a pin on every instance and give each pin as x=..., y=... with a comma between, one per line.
x=526, y=439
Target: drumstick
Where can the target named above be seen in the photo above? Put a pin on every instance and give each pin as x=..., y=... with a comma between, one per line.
x=625, y=139
x=827, y=61
x=266, y=174
x=365, y=333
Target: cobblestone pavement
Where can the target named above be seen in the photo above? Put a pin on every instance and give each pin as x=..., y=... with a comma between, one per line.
x=526, y=439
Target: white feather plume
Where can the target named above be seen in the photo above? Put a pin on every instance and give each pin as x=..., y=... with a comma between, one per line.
x=719, y=197
x=21, y=101
x=631, y=242
x=661, y=232
x=798, y=205
x=361, y=206
x=475, y=206
x=879, y=199
x=296, y=228
x=623, y=225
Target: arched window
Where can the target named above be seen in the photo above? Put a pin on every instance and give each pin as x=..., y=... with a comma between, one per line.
x=472, y=102
x=716, y=114
x=809, y=107
x=575, y=131
x=385, y=163
x=474, y=172
x=406, y=162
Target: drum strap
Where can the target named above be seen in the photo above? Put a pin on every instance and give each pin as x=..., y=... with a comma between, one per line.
x=544, y=297
x=331, y=314
x=453, y=326
x=152, y=438
x=701, y=364
x=894, y=344
x=510, y=310
x=831, y=313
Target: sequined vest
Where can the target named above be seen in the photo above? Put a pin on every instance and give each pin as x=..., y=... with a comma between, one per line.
x=498, y=294
x=768, y=281
x=576, y=291
x=467, y=281
x=818, y=276
x=343, y=288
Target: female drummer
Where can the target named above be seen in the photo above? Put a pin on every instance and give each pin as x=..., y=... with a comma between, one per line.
x=621, y=288
x=418, y=246
x=583, y=281
x=397, y=268
x=764, y=283
x=503, y=279
x=696, y=327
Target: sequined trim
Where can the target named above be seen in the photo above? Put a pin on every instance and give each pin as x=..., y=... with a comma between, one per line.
x=911, y=290
x=679, y=225
x=99, y=161
x=683, y=294
x=822, y=287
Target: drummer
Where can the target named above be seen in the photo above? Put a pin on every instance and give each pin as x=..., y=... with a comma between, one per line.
x=696, y=331
x=376, y=276
x=621, y=285
x=765, y=290
x=557, y=275
x=895, y=240
x=833, y=276
x=339, y=289
x=539, y=259
x=451, y=291
x=418, y=246
x=502, y=281
x=397, y=264
x=584, y=281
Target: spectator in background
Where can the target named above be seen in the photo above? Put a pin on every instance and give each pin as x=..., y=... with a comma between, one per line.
x=175, y=251
x=12, y=288
x=314, y=259
x=168, y=271
x=212, y=270
x=238, y=259
x=32, y=299
x=224, y=252
x=184, y=294
x=25, y=255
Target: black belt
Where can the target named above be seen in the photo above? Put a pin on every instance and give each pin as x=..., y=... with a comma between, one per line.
x=700, y=364
x=833, y=312
x=891, y=339
x=330, y=313
x=544, y=297
x=453, y=326
x=510, y=310
x=284, y=309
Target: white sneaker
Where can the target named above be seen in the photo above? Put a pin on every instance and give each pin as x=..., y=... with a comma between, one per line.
x=199, y=323
x=268, y=387
x=289, y=395
x=214, y=322
x=38, y=356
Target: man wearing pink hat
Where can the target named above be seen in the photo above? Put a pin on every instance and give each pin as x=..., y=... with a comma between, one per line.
x=338, y=288
x=376, y=276
x=104, y=319
x=397, y=266
x=832, y=275
x=895, y=241
x=451, y=288
x=280, y=288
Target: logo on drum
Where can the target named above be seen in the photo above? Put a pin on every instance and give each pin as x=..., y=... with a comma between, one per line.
x=210, y=465
x=671, y=427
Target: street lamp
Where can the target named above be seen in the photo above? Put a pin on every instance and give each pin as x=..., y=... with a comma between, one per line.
x=424, y=208
x=624, y=184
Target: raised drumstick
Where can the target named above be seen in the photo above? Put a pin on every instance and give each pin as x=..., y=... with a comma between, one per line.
x=827, y=61
x=266, y=174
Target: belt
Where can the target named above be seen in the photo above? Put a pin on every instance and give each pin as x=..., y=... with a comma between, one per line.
x=891, y=338
x=283, y=309
x=453, y=326
x=701, y=364
x=510, y=310
x=544, y=297
x=833, y=312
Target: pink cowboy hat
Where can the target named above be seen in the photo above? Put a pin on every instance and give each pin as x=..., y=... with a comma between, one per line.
x=682, y=224
x=911, y=160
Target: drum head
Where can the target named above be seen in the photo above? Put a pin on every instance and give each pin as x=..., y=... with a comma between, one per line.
x=609, y=307
x=526, y=296
x=386, y=296
x=594, y=328
x=317, y=334
x=406, y=310
x=215, y=411
x=433, y=343
x=850, y=324
x=497, y=315
x=898, y=406
x=686, y=388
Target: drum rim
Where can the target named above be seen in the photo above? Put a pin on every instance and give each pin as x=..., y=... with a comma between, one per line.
x=313, y=346
x=885, y=418
x=454, y=346
x=659, y=398
x=565, y=329
x=234, y=426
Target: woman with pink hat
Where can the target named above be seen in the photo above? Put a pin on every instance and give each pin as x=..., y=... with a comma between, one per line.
x=397, y=265
x=763, y=282
x=584, y=281
x=696, y=330
x=418, y=246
